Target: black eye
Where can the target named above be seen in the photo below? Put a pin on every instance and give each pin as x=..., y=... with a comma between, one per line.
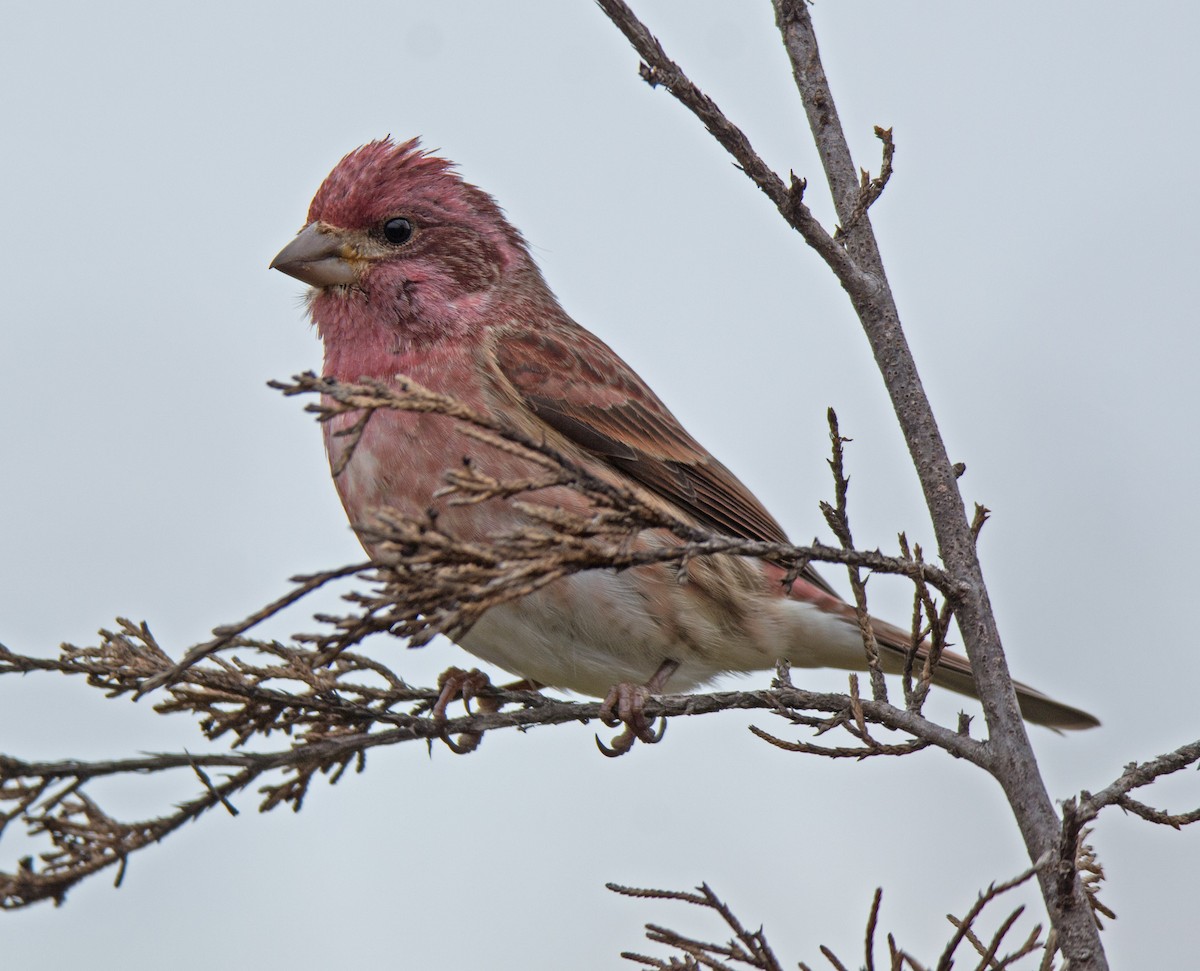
x=397, y=231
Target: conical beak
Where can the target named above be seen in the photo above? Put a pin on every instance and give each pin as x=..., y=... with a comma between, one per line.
x=318, y=257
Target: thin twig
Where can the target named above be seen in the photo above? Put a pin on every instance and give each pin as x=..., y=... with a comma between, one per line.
x=224, y=635
x=872, y=189
x=1136, y=776
x=838, y=518
x=659, y=69
x=991, y=893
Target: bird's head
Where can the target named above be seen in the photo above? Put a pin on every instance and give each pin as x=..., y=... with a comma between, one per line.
x=399, y=229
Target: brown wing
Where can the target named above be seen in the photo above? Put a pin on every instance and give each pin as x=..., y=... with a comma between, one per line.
x=578, y=386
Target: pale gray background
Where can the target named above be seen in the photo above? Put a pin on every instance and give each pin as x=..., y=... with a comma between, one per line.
x=1039, y=233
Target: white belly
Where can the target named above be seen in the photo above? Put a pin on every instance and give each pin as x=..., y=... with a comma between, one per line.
x=590, y=631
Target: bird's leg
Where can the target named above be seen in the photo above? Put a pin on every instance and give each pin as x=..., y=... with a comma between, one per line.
x=624, y=706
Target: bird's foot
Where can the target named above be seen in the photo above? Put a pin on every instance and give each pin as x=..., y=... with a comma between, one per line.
x=625, y=705
x=455, y=683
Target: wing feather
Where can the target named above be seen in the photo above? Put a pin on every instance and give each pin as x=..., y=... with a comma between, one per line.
x=579, y=387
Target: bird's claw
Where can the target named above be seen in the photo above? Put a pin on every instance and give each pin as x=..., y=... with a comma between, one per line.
x=466, y=742
x=455, y=683
x=625, y=705
x=624, y=742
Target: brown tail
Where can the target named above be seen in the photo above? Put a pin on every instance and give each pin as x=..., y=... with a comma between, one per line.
x=954, y=672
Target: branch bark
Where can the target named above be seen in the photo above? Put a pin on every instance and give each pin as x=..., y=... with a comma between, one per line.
x=1015, y=765
x=854, y=257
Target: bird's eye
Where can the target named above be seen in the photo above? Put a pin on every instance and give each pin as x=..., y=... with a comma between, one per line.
x=398, y=230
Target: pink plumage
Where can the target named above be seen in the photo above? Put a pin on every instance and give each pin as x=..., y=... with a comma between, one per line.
x=416, y=272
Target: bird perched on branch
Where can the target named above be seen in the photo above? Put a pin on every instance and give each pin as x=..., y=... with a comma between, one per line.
x=416, y=272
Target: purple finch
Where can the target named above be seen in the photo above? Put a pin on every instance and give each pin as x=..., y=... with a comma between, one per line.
x=416, y=272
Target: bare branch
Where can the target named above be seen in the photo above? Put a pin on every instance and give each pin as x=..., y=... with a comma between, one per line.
x=871, y=189
x=334, y=710
x=838, y=518
x=928, y=621
x=872, y=923
x=854, y=752
x=659, y=69
x=750, y=949
x=223, y=636
x=1152, y=815
x=1136, y=776
x=977, y=522
x=1016, y=768
x=962, y=927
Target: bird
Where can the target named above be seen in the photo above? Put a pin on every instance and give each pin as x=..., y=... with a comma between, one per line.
x=416, y=272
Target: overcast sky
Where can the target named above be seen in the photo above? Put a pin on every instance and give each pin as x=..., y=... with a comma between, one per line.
x=1040, y=236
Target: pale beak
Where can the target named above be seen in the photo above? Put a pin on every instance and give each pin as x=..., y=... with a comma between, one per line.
x=317, y=257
